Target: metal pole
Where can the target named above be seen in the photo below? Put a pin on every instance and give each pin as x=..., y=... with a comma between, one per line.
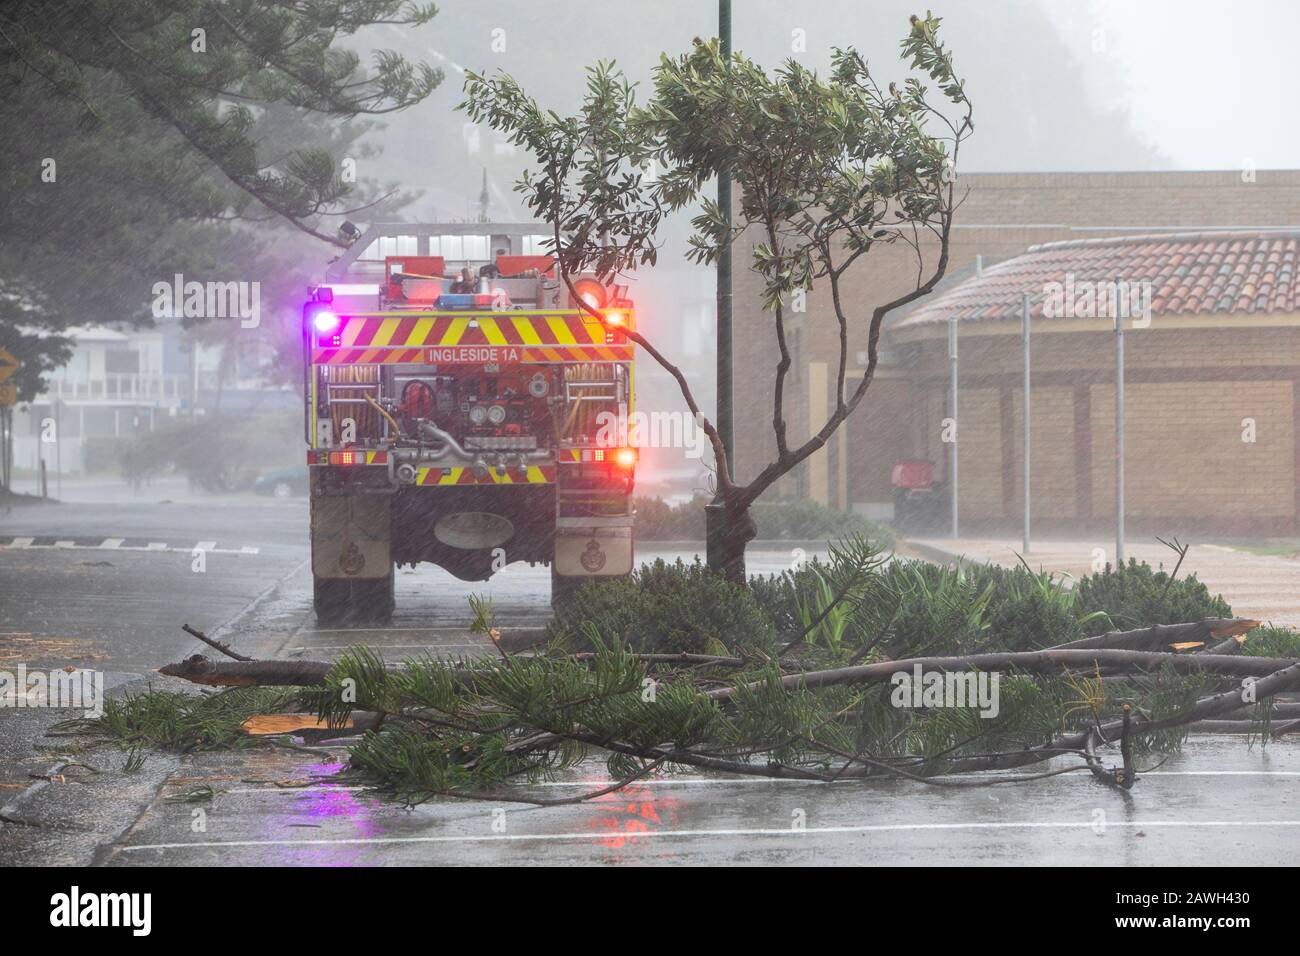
x=1119, y=431
x=715, y=518
x=58, y=448
x=725, y=425
x=1024, y=337
x=952, y=389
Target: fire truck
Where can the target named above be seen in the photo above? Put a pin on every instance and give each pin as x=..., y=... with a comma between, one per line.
x=470, y=424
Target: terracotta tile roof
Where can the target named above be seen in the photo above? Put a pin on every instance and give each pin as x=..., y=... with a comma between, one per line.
x=1189, y=274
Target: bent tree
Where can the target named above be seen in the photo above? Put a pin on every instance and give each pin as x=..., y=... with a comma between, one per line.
x=827, y=169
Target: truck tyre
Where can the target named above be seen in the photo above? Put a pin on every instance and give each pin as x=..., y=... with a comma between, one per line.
x=354, y=600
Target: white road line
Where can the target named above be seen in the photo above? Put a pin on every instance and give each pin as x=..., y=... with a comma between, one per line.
x=1221, y=773
x=116, y=544
x=327, y=787
x=737, y=832
x=205, y=546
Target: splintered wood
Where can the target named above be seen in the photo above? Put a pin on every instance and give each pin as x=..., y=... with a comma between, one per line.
x=261, y=725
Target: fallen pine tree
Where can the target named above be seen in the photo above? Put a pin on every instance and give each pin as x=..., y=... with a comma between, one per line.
x=870, y=672
x=474, y=727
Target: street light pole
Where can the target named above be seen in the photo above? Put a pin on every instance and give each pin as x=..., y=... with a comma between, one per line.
x=715, y=517
x=1119, y=431
x=725, y=425
x=956, y=431
x=1024, y=336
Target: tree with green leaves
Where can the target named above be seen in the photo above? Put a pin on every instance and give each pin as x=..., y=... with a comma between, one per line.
x=827, y=168
x=203, y=68
x=205, y=137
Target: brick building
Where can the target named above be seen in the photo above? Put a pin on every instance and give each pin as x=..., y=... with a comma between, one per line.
x=1223, y=347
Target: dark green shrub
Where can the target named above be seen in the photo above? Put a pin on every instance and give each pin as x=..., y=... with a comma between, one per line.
x=1272, y=642
x=656, y=520
x=942, y=610
x=778, y=595
x=1030, y=609
x=669, y=608
x=218, y=453
x=806, y=520
x=1136, y=595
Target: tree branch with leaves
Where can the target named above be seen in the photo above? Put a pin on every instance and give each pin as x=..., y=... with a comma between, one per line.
x=828, y=169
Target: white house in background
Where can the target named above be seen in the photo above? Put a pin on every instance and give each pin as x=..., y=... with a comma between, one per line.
x=114, y=385
x=122, y=382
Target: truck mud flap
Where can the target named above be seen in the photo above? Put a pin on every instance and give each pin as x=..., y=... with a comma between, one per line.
x=350, y=537
x=593, y=552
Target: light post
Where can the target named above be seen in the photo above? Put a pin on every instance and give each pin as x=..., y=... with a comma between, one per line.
x=1024, y=339
x=715, y=511
x=1119, y=430
x=725, y=423
x=956, y=436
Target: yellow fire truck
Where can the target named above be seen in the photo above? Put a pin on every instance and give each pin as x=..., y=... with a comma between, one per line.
x=458, y=411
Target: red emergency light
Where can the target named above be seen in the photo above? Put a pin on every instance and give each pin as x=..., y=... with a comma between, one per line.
x=591, y=292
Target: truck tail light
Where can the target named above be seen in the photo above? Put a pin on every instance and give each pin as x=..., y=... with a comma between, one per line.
x=622, y=457
x=343, y=458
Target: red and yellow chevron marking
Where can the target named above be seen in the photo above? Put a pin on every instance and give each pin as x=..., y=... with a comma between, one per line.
x=536, y=475
x=475, y=337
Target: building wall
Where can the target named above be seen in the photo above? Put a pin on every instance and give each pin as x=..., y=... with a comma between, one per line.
x=1210, y=428
x=1001, y=217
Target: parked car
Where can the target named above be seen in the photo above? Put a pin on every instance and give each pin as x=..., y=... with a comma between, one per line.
x=282, y=482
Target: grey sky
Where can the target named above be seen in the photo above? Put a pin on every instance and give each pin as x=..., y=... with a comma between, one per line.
x=1058, y=84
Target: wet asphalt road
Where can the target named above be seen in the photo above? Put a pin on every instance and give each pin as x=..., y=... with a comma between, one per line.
x=1216, y=801
x=64, y=598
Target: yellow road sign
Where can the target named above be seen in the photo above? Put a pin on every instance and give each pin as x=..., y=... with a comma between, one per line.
x=8, y=365
x=8, y=395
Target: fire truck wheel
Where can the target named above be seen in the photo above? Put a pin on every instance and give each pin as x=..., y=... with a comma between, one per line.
x=351, y=600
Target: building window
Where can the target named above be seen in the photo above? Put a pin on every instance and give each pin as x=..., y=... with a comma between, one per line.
x=536, y=245
x=122, y=362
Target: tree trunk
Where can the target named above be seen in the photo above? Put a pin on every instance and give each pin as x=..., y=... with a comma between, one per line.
x=727, y=530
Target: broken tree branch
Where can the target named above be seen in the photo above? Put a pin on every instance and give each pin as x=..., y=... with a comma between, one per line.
x=1244, y=727
x=1161, y=636
x=1050, y=662
x=249, y=673
x=221, y=646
